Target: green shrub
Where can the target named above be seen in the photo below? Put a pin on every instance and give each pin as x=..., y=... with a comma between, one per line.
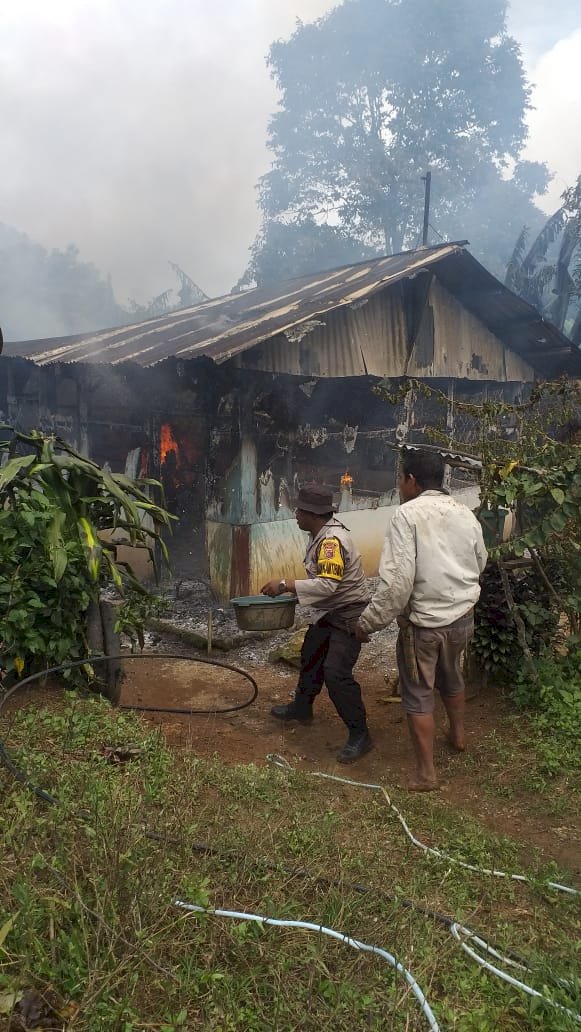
x=43, y=619
x=54, y=557
x=554, y=700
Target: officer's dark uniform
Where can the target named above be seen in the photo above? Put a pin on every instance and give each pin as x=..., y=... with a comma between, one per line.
x=336, y=585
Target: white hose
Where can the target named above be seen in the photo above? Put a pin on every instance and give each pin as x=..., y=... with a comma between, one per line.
x=346, y=939
x=458, y=931
x=279, y=761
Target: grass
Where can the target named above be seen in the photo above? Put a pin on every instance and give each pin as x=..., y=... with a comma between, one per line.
x=87, y=891
x=520, y=760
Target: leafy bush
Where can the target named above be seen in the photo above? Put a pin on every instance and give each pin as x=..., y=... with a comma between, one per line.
x=493, y=646
x=553, y=702
x=54, y=507
x=530, y=457
x=555, y=699
x=43, y=617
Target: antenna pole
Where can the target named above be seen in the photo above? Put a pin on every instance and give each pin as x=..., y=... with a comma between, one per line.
x=427, y=179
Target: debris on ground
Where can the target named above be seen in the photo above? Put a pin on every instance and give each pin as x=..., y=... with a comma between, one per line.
x=120, y=753
x=290, y=651
x=34, y=1010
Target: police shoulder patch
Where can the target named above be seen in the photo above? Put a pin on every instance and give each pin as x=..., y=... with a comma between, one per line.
x=330, y=562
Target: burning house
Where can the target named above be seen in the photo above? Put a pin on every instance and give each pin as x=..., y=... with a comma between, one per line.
x=234, y=402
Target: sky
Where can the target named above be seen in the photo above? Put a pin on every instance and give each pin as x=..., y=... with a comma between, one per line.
x=137, y=130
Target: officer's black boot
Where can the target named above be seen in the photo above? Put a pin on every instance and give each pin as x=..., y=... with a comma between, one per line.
x=358, y=743
x=300, y=709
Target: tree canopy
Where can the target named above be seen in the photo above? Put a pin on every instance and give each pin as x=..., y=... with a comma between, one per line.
x=286, y=250
x=375, y=93
x=46, y=293
x=547, y=272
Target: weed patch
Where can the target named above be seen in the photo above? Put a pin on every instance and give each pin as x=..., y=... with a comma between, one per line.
x=87, y=892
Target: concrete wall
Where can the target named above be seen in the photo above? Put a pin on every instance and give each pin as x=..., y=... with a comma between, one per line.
x=242, y=559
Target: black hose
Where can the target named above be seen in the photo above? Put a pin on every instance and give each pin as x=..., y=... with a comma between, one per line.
x=91, y=660
x=196, y=847
x=202, y=847
x=319, y=879
x=20, y=776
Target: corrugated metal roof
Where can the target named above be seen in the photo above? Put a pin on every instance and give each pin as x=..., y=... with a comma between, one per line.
x=453, y=457
x=227, y=326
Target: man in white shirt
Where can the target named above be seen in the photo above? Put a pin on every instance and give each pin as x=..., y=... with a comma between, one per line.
x=336, y=586
x=429, y=572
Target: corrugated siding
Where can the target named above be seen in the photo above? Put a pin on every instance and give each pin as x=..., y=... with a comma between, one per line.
x=464, y=348
x=383, y=337
x=368, y=338
x=517, y=369
x=371, y=338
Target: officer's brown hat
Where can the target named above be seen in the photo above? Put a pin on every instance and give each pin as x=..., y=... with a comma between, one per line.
x=316, y=499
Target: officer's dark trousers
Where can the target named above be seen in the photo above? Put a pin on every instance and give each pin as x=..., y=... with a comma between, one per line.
x=328, y=656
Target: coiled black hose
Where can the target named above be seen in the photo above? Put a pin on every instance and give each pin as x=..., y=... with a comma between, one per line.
x=41, y=793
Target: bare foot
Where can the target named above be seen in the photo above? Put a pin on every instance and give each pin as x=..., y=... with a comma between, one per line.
x=423, y=786
x=456, y=744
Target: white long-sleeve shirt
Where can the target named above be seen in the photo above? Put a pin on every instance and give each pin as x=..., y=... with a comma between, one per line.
x=432, y=558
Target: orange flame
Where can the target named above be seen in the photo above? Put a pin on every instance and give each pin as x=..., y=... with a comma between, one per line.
x=167, y=442
x=346, y=479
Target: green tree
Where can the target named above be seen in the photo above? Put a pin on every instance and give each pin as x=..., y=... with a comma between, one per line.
x=286, y=250
x=47, y=293
x=376, y=92
x=494, y=211
x=548, y=272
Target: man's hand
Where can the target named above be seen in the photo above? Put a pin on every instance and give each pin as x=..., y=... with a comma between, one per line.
x=272, y=588
x=361, y=634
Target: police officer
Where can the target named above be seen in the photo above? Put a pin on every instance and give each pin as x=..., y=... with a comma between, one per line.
x=336, y=586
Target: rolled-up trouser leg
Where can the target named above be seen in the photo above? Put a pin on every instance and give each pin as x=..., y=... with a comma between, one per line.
x=344, y=690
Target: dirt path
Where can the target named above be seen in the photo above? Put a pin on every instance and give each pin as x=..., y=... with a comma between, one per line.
x=471, y=782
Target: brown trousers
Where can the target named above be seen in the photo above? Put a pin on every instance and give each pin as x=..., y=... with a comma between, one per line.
x=437, y=652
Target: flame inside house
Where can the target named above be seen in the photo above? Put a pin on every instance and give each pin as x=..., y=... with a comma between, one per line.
x=347, y=480
x=179, y=457
x=167, y=443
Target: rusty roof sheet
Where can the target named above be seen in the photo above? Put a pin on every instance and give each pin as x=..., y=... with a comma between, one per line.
x=226, y=326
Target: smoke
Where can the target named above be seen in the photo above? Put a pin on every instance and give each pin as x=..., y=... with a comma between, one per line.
x=137, y=130
x=553, y=134
x=538, y=25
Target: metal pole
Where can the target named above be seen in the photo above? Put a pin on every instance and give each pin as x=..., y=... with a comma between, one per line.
x=428, y=181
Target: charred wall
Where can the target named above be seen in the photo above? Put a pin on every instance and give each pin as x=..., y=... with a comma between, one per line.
x=285, y=430
x=279, y=431
x=143, y=422
x=232, y=445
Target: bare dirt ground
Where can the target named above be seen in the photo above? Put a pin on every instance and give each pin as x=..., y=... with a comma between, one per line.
x=485, y=782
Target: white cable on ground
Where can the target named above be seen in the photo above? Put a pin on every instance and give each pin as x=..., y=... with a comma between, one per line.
x=333, y=934
x=279, y=761
x=458, y=931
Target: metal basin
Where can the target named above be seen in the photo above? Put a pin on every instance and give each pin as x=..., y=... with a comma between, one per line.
x=261, y=613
